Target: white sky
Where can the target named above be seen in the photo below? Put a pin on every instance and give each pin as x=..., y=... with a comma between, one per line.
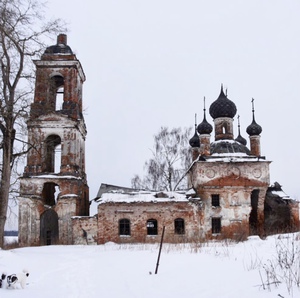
x=150, y=63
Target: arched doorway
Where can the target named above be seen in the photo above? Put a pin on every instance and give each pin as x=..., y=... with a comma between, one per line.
x=49, y=228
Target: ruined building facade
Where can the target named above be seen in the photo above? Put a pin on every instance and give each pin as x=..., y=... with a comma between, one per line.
x=54, y=184
x=228, y=184
x=229, y=194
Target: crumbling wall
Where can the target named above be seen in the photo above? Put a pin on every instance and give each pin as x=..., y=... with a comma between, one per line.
x=69, y=202
x=165, y=213
x=84, y=230
x=234, y=181
x=281, y=215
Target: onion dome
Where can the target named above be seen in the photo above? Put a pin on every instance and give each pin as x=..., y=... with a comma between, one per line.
x=195, y=141
x=239, y=138
x=61, y=47
x=253, y=129
x=222, y=107
x=204, y=127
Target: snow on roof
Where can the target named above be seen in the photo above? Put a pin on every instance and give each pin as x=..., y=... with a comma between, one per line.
x=281, y=194
x=69, y=195
x=276, y=189
x=57, y=176
x=232, y=157
x=142, y=196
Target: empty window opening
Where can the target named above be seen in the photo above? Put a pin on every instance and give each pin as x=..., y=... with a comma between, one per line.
x=224, y=127
x=52, y=154
x=151, y=227
x=179, y=226
x=124, y=227
x=215, y=200
x=56, y=93
x=57, y=158
x=50, y=193
x=59, y=99
x=216, y=225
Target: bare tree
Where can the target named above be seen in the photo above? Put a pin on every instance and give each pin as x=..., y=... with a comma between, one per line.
x=167, y=167
x=23, y=31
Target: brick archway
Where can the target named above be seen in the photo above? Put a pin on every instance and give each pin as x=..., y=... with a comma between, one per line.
x=49, y=228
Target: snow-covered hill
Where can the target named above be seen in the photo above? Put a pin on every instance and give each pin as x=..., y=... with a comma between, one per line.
x=226, y=269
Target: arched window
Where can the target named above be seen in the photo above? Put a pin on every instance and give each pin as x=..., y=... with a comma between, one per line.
x=57, y=158
x=151, y=227
x=50, y=193
x=59, y=98
x=52, y=158
x=179, y=226
x=56, y=93
x=124, y=227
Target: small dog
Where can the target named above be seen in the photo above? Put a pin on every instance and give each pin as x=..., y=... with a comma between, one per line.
x=19, y=278
x=2, y=279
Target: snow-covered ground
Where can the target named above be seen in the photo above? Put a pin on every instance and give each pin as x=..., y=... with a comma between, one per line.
x=226, y=269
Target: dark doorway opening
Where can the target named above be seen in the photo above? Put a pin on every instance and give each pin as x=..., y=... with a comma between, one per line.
x=253, y=219
x=49, y=228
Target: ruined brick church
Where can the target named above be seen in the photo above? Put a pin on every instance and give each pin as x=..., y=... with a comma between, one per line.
x=229, y=193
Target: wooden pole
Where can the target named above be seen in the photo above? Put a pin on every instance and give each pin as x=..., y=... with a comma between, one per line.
x=160, y=247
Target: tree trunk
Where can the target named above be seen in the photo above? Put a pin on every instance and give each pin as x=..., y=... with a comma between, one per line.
x=5, y=181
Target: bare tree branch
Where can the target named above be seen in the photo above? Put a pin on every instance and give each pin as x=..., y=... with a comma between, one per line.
x=170, y=159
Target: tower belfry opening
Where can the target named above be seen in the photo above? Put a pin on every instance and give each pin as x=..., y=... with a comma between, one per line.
x=52, y=148
x=56, y=92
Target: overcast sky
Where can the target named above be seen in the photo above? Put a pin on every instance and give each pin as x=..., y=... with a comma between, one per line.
x=150, y=63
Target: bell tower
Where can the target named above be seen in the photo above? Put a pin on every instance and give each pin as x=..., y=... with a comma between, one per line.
x=54, y=183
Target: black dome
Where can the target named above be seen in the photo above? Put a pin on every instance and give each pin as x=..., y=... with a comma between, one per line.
x=194, y=141
x=241, y=140
x=222, y=107
x=222, y=147
x=204, y=127
x=254, y=129
x=61, y=47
